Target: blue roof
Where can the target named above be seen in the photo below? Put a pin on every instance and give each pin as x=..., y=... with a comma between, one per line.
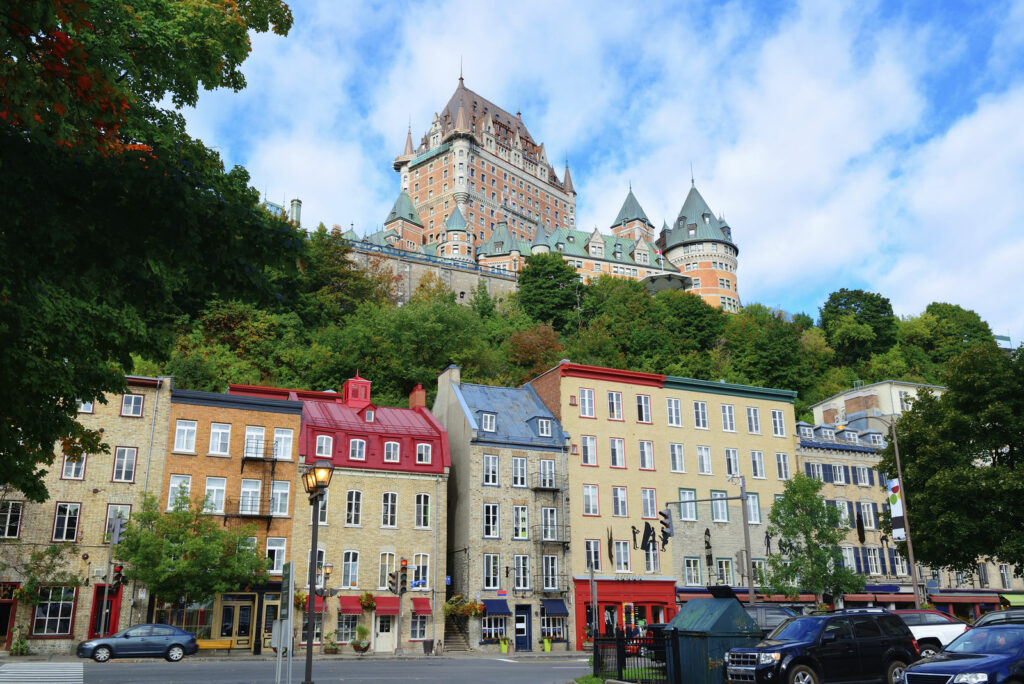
x=838, y=446
x=516, y=410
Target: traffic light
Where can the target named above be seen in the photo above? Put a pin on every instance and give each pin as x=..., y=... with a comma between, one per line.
x=393, y=581
x=119, y=527
x=403, y=577
x=667, y=528
x=118, y=578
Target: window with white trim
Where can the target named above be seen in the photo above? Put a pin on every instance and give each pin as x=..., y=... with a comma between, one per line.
x=357, y=449
x=778, y=423
x=651, y=559
x=324, y=446
x=65, y=522
x=592, y=551
x=385, y=566
x=391, y=452
x=178, y=483
x=757, y=464
x=220, y=439
x=724, y=566
x=588, y=450
x=488, y=422
x=492, y=529
x=617, y=452
x=350, y=570
x=615, y=406
x=423, y=453
x=520, y=522
x=814, y=470
x=848, y=560
x=214, y=502
x=874, y=566
x=704, y=460
x=867, y=512
x=521, y=572
x=492, y=628
x=675, y=416
x=283, y=444
x=280, y=491
x=185, y=436
x=549, y=573
x=838, y=474
x=782, y=465
x=691, y=572
x=544, y=427
x=353, y=508
x=249, y=503
x=491, y=469
x=74, y=468
x=899, y=565
x=53, y=612
x=688, y=507
x=422, y=511
x=621, y=556
x=732, y=462
x=728, y=418
x=719, y=507
x=643, y=408
x=491, y=578
x=646, y=455
x=649, y=501
x=753, y=508
x=10, y=519
x=700, y=415
x=1004, y=573
x=518, y=471
x=323, y=508
x=862, y=476
x=254, y=437
x=276, y=554
x=131, y=405
x=619, y=501
x=753, y=420
x=115, y=511
x=586, y=403
x=590, y=506
x=676, y=459
x=420, y=574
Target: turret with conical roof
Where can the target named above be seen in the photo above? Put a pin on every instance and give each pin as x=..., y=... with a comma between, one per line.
x=631, y=221
x=456, y=243
x=404, y=221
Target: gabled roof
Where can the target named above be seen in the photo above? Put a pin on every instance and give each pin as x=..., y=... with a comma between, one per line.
x=476, y=106
x=576, y=247
x=502, y=242
x=516, y=412
x=631, y=211
x=403, y=209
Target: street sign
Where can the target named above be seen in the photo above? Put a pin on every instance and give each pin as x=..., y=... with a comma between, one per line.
x=287, y=594
x=447, y=580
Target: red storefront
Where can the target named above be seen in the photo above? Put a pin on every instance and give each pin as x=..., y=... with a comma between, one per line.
x=624, y=602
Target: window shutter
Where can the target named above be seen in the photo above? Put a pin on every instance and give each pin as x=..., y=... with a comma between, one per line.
x=853, y=518
x=874, y=507
x=847, y=469
x=881, y=561
x=807, y=469
x=854, y=480
x=856, y=560
x=882, y=480
x=871, y=476
x=826, y=472
x=892, y=560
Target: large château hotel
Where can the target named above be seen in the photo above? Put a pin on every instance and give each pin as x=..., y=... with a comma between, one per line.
x=479, y=190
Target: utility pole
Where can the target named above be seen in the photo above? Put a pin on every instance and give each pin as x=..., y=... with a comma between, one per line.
x=906, y=517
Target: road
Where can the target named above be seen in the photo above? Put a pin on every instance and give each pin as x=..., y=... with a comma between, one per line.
x=550, y=670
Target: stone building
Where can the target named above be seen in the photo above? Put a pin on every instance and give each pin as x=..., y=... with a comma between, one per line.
x=386, y=502
x=871, y=406
x=641, y=441
x=240, y=455
x=507, y=514
x=86, y=496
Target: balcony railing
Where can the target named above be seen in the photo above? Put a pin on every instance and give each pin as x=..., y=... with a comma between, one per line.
x=553, y=482
x=550, y=534
x=249, y=507
x=552, y=584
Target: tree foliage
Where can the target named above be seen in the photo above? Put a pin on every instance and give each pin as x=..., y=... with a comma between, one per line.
x=858, y=324
x=807, y=533
x=40, y=565
x=962, y=456
x=187, y=553
x=549, y=289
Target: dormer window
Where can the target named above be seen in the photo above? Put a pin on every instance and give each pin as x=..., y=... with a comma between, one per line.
x=828, y=434
x=369, y=416
x=571, y=238
x=488, y=422
x=807, y=432
x=876, y=440
x=851, y=437
x=544, y=427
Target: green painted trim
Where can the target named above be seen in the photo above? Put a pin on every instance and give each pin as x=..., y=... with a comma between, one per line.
x=725, y=495
x=443, y=147
x=711, y=387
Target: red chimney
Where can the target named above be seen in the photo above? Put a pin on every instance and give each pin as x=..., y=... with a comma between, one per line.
x=418, y=397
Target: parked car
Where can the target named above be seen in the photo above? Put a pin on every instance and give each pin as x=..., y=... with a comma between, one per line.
x=983, y=655
x=768, y=617
x=841, y=646
x=933, y=629
x=1000, y=617
x=140, y=641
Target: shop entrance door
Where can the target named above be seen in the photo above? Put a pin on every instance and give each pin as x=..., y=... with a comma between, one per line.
x=384, y=638
x=103, y=621
x=271, y=609
x=611, y=620
x=6, y=621
x=523, y=628
x=236, y=616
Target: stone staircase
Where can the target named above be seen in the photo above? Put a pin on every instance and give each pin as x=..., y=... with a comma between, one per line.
x=455, y=638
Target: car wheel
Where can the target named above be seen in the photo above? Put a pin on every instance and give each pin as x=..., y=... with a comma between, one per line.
x=895, y=672
x=801, y=674
x=928, y=649
x=101, y=654
x=175, y=653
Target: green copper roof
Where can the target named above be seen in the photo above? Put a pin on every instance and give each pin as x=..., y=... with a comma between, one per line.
x=404, y=210
x=456, y=223
x=502, y=242
x=631, y=211
x=696, y=222
x=541, y=238
x=574, y=243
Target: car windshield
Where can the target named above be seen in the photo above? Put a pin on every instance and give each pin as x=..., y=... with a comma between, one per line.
x=796, y=629
x=1000, y=640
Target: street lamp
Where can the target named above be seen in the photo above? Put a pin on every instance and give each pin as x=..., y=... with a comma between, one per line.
x=316, y=480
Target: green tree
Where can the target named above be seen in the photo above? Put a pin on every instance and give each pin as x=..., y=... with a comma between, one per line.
x=120, y=223
x=186, y=553
x=962, y=456
x=807, y=532
x=955, y=329
x=858, y=323
x=549, y=289
x=764, y=349
x=37, y=566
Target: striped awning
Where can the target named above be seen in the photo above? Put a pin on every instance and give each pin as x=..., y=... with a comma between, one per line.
x=387, y=605
x=349, y=605
x=421, y=606
x=1013, y=599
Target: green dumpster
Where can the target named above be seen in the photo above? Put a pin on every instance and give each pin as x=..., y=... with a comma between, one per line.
x=707, y=629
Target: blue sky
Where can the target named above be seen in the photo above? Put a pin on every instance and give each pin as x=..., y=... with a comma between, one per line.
x=868, y=144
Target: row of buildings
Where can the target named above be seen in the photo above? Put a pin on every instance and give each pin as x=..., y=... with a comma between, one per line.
x=521, y=500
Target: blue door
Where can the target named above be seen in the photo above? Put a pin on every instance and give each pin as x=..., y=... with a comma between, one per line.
x=522, y=628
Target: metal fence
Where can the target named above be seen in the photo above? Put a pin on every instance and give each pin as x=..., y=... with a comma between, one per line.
x=638, y=659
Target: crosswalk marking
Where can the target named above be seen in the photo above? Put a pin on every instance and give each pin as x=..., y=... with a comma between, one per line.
x=50, y=673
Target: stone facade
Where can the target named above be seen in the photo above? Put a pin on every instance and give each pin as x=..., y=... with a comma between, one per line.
x=83, y=498
x=869, y=407
x=507, y=510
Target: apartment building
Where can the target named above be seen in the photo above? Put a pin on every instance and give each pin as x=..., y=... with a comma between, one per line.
x=508, y=541
x=386, y=502
x=644, y=441
x=86, y=496
x=240, y=455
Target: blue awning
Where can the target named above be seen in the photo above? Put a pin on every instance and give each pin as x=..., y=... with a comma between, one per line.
x=497, y=607
x=555, y=608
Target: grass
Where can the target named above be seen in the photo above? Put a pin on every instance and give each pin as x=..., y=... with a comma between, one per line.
x=589, y=679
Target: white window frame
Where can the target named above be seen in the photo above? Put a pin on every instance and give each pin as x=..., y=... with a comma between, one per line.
x=816, y=471
x=280, y=495
x=520, y=572
x=357, y=449
x=652, y=563
x=72, y=521
x=323, y=509
x=704, y=460
x=385, y=566
x=691, y=571
x=757, y=464
x=114, y=511
x=614, y=405
x=353, y=508
x=124, y=464
x=178, y=482
x=421, y=571
x=616, y=452
x=753, y=508
x=519, y=471
x=732, y=461
x=649, y=503
x=723, y=571
x=255, y=441
x=620, y=505
x=544, y=427
x=862, y=476
x=849, y=561
x=586, y=403
x=492, y=576
x=720, y=507
x=782, y=465
x=55, y=612
x=217, y=488
x=488, y=422
x=688, y=507
x=248, y=503
x=677, y=457
x=392, y=452
x=520, y=522
x=11, y=515
x=700, y=415
x=220, y=439
x=422, y=519
x=588, y=450
x=389, y=510
x=778, y=423
x=753, y=420
x=838, y=474
x=591, y=503
x=728, y=418
x=74, y=468
x=549, y=523
x=134, y=408
x=276, y=549
x=490, y=468
x=592, y=553
x=324, y=446
x=549, y=573
x=492, y=520
x=283, y=443
x=423, y=454
x=674, y=410
x=350, y=569
x=646, y=450
x=871, y=555
x=622, y=560
x=867, y=512
x=643, y=408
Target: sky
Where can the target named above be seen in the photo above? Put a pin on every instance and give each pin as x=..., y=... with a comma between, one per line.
x=872, y=145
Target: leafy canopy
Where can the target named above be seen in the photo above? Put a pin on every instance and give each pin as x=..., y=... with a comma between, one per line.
x=808, y=533
x=858, y=324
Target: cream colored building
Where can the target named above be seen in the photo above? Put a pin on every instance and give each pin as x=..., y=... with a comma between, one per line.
x=869, y=407
x=641, y=440
x=85, y=498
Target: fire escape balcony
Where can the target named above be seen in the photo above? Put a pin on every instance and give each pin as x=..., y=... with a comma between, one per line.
x=551, y=534
x=547, y=481
x=553, y=584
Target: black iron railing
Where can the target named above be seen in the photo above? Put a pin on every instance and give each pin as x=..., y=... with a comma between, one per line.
x=631, y=659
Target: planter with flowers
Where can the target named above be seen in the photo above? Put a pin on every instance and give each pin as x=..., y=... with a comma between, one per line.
x=367, y=601
x=361, y=644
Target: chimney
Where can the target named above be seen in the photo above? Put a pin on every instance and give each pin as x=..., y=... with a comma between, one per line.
x=418, y=397
x=295, y=214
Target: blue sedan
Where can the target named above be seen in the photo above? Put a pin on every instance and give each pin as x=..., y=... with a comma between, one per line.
x=985, y=655
x=140, y=641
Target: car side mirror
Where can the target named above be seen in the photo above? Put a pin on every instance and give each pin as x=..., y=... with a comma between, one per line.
x=827, y=637
x=125, y=636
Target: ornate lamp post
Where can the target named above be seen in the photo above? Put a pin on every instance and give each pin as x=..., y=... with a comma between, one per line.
x=316, y=480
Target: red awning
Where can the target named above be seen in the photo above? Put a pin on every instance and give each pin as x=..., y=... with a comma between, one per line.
x=318, y=604
x=421, y=606
x=387, y=605
x=895, y=598
x=858, y=597
x=349, y=605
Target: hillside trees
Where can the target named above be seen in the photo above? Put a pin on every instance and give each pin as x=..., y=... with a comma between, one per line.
x=858, y=324
x=120, y=222
x=549, y=289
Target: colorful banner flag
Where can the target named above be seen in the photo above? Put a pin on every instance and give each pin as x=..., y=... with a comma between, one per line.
x=899, y=532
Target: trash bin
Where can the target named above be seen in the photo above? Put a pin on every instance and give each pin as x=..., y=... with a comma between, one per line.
x=547, y=645
x=708, y=628
x=428, y=647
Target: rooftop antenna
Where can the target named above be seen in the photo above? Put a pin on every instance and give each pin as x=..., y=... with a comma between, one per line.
x=691, y=173
x=460, y=69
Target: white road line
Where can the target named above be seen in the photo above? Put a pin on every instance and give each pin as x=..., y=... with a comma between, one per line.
x=506, y=660
x=50, y=673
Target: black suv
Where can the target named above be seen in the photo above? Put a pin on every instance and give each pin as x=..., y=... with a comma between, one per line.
x=843, y=646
